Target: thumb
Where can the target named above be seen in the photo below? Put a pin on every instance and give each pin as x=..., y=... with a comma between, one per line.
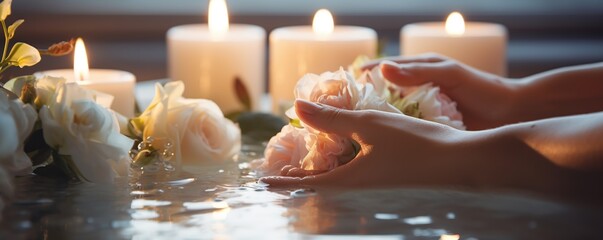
x=411, y=74
x=327, y=119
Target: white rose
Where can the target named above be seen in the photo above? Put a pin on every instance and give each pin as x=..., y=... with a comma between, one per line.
x=75, y=126
x=16, y=123
x=196, y=128
x=6, y=188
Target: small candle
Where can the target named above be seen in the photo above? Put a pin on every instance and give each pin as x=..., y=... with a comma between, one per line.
x=119, y=84
x=478, y=44
x=297, y=50
x=208, y=58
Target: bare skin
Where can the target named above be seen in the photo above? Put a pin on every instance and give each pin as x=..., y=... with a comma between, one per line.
x=562, y=155
x=488, y=101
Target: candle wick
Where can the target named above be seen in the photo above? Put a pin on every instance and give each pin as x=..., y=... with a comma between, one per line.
x=81, y=76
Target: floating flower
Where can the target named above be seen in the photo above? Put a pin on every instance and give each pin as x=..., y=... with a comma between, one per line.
x=16, y=123
x=194, y=128
x=85, y=134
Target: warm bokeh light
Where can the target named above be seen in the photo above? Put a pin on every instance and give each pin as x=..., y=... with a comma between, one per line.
x=80, y=61
x=217, y=17
x=323, y=22
x=450, y=237
x=455, y=24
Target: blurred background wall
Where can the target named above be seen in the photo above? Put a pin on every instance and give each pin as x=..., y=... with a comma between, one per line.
x=130, y=34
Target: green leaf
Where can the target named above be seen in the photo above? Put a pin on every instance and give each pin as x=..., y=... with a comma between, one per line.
x=135, y=128
x=242, y=93
x=35, y=141
x=295, y=123
x=233, y=116
x=260, y=126
x=40, y=156
x=144, y=157
x=52, y=170
x=65, y=163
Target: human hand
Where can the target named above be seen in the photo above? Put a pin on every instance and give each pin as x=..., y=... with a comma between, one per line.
x=486, y=100
x=394, y=149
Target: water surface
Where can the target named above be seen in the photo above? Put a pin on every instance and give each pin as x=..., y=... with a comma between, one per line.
x=225, y=202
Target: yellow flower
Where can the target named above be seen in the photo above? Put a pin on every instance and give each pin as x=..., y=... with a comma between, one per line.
x=13, y=27
x=5, y=9
x=23, y=54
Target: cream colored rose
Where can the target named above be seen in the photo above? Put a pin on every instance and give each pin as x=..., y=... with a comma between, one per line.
x=196, y=128
x=16, y=123
x=76, y=126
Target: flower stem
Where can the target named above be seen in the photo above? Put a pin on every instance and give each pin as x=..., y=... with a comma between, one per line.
x=5, y=39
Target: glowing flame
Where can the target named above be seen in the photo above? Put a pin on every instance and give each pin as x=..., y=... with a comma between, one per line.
x=80, y=61
x=455, y=24
x=217, y=17
x=323, y=22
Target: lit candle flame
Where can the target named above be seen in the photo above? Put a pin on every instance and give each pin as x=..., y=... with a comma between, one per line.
x=80, y=61
x=323, y=22
x=217, y=17
x=455, y=24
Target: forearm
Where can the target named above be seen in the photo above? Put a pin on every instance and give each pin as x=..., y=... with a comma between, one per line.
x=559, y=155
x=574, y=142
x=559, y=92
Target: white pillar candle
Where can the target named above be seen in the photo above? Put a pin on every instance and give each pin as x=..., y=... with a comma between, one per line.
x=478, y=44
x=208, y=58
x=297, y=50
x=119, y=84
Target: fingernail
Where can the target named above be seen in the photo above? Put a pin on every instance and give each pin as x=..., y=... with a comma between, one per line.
x=392, y=69
x=388, y=63
x=307, y=107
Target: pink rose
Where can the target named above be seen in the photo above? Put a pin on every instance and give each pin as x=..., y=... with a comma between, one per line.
x=432, y=105
x=286, y=148
x=337, y=89
x=328, y=152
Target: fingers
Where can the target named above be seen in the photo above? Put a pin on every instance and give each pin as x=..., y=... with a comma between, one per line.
x=288, y=181
x=292, y=171
x=445, y=74
x=326, y=118
x=422, y=58
x=280, y=181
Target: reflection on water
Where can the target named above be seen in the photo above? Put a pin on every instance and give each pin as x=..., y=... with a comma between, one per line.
x=225, y=202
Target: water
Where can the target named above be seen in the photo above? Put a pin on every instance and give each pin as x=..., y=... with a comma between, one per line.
x=225, y=202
